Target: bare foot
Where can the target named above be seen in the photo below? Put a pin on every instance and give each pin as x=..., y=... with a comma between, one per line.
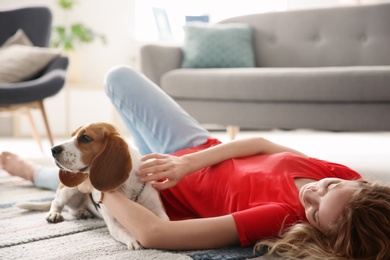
x=17, y=166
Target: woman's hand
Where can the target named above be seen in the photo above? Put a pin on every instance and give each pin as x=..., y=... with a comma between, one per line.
x=165, y=171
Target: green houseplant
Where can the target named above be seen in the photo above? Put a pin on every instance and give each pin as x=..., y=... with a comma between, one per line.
x=68, y=36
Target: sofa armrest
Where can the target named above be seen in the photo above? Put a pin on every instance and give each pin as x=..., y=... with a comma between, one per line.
x=59, y=63
x=33, y=90
x=158, y=59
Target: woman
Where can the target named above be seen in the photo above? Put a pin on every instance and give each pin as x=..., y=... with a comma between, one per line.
x=240, y=192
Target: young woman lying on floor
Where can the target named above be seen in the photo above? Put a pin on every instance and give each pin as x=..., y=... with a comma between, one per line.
x=247, y=192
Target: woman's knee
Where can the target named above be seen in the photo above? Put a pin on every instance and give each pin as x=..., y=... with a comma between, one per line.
x=121, y=80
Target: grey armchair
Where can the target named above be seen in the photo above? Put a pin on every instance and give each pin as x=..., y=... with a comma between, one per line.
x=29, y=94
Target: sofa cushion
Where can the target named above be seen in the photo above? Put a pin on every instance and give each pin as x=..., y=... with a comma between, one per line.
x=18, y=38
x=218, y=46
x=20, y=62
x=329, y=84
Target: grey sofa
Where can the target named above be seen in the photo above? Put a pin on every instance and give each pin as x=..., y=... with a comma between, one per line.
x=323, y=69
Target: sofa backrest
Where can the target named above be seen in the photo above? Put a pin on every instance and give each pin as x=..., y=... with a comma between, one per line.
x=337, y=36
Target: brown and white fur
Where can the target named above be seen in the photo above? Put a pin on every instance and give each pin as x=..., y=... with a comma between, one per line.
x=97, y=155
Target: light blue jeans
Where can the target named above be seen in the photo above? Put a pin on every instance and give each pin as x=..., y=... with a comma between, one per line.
x=156, y=122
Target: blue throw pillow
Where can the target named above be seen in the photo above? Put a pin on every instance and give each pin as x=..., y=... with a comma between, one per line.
x=218, y=46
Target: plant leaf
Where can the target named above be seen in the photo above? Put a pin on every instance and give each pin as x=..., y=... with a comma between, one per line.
x=66, y=4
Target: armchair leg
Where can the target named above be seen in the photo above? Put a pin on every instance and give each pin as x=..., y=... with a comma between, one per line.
x=232, y=131
x=42, y=108
x=34, y=128
x=26, y=109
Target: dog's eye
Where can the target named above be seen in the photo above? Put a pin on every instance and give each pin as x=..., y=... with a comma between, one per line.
x=85, y=139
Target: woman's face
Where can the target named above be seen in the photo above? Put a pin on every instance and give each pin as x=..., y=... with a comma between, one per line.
x=324, y=200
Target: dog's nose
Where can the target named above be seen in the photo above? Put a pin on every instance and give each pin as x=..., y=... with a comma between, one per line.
x=56, y=150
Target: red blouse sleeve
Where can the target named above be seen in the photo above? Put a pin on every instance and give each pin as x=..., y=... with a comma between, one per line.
x=338, y=170
x=262, y=222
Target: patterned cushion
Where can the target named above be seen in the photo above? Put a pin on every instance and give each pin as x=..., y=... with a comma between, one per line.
x=218, y=46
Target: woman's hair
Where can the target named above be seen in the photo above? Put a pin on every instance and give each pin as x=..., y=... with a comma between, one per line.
x=361, y=232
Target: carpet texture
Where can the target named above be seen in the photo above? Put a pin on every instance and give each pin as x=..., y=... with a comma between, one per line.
x=27, y=234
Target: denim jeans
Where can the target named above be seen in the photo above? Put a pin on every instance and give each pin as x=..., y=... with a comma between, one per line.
x=156, y=121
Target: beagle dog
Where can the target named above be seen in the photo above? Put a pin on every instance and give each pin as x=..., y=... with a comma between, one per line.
x=97, y=156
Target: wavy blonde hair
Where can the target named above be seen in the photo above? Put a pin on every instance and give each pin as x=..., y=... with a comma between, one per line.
x=361, y=232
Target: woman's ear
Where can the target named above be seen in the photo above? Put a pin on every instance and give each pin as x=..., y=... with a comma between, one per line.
x=71, y=179
x=112, y=166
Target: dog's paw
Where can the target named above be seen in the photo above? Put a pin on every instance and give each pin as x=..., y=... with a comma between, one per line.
x=54, y=217
x=82, y=214
x=133, y=244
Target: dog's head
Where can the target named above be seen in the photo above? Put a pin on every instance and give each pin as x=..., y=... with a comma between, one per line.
x=96, y=151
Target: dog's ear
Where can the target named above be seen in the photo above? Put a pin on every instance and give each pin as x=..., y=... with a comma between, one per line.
x=71, y=179
x=112, y=166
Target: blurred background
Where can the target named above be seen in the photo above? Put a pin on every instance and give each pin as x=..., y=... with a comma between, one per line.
x=125, y=26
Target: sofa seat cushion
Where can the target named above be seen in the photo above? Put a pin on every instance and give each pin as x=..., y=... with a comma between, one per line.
x=323, y=84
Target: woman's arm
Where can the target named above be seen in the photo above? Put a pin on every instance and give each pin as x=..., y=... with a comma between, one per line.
x=236, y=149
x=173, y=168
x=153, y=232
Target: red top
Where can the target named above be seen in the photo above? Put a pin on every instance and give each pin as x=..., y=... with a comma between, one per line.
x=259, y=191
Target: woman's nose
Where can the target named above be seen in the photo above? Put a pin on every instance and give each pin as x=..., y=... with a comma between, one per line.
x=312, y=197
x=321, y=191
x=318, y=190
